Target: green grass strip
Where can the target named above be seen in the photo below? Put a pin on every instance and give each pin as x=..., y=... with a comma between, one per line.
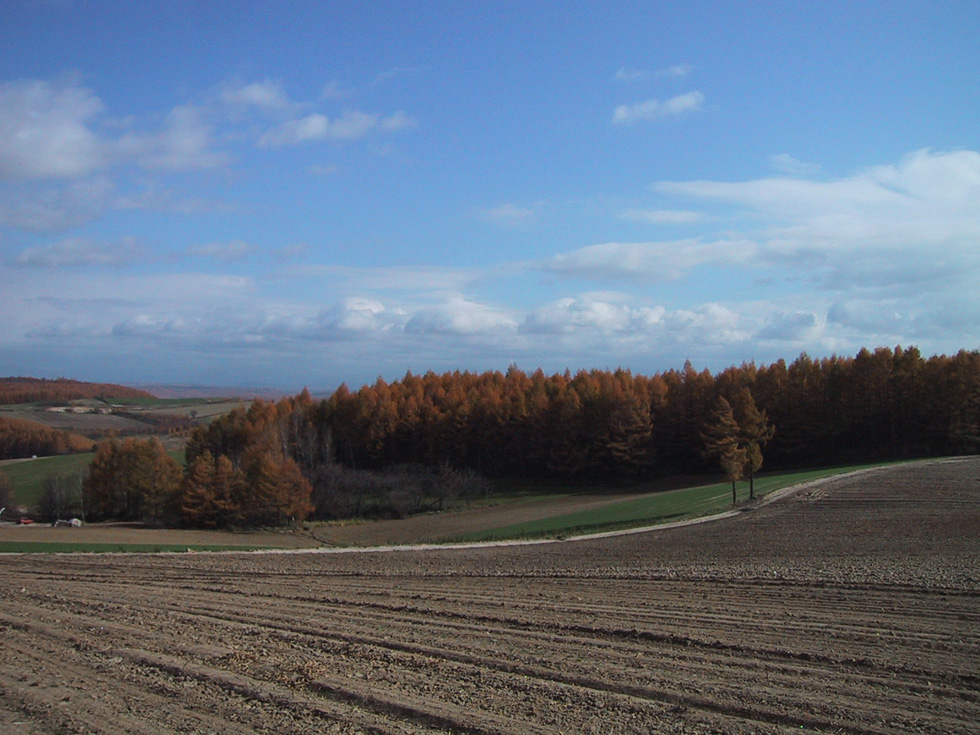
x=651, y=510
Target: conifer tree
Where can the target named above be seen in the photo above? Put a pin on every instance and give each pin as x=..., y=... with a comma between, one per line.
x=721, y=441
x=754, y=432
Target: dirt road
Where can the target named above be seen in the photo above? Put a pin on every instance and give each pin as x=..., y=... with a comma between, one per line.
x=852, y=607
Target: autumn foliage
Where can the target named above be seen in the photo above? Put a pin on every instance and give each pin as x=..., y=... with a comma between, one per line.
x=391, y=448
x=25, y=438
x=889, y=403
x=61, y=390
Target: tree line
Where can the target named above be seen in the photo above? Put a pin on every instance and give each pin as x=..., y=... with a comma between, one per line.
x=881, y=404
x=405, y=446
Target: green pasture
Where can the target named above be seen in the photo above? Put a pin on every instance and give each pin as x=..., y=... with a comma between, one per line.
x=159, y=402
x=27, y=476
x=653, y=509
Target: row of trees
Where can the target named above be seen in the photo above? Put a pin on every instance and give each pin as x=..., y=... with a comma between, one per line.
x=136, y=480
x=735, y=437
x=613, y=424
x=24, y=438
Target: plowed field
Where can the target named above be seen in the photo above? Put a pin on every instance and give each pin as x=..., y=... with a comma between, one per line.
x=848, y=607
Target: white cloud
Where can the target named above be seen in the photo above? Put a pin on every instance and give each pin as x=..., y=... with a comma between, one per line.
x=45, y=133
x=797, y=326
x=184, y=144
x=786, y=164
x=648, y=261
x=45, y=208
x=653, y=110
x=354, y=316
x=664, y=216
x=398, y=121
x=267, y=95
x=351, y=125
x=927, y=201
x=458, y=316
x=571, y=315
x=78, y=251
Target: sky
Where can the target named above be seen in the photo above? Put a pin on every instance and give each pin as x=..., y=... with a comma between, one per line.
x=305, y=193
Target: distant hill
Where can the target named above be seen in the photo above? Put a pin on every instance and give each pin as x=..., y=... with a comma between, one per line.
x=41, y=390
x=213, y=391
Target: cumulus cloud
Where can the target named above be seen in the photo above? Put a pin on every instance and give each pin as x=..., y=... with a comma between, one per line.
x=356, y=316
x=458, y=316
x=572, y=315
x=652, y=110
x=78, y=251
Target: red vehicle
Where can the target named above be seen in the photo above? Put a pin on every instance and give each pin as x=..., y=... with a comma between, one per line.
x=25, y=521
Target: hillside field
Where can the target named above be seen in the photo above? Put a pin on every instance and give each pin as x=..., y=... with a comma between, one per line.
x=850, y=606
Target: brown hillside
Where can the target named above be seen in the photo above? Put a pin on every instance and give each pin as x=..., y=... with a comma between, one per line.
x=31, y=390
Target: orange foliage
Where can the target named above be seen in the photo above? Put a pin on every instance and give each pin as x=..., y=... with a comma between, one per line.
x=25, y=438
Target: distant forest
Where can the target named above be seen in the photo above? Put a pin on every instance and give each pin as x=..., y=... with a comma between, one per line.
x=39, y=390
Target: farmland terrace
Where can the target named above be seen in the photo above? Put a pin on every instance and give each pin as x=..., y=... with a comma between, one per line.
x=852, y=606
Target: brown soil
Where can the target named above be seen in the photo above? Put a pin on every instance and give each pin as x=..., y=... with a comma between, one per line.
x=850, y=607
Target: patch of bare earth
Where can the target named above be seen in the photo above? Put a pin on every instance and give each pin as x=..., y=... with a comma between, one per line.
x=852, y=607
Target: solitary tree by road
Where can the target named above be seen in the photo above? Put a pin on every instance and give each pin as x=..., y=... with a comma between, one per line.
x=754, y=432
x=721, y=441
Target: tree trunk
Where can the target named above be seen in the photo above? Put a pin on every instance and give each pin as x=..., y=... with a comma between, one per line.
x=734, y=496
x=751, y=484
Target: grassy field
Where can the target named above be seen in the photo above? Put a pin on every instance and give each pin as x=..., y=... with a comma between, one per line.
x=27, y=476
x=653, y=509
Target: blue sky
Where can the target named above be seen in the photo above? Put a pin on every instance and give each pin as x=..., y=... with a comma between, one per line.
x=305, y=193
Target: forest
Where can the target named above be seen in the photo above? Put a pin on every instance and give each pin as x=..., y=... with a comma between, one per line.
x=395, y=448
